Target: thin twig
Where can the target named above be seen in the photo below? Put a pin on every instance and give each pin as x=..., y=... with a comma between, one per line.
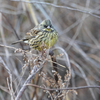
x=28, y=80
x=58, y=6
x=12, y=28
x=69, y=88
x=84, y=76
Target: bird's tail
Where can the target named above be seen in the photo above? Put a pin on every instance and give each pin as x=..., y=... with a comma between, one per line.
x=23, y=40
x=17, y=42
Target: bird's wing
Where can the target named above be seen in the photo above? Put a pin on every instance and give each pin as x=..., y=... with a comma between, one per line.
x=31, y=34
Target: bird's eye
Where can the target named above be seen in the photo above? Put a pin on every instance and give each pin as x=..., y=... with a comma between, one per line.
x=45, y=26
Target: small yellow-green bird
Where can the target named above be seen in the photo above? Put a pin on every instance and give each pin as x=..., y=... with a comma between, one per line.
x=42, y=34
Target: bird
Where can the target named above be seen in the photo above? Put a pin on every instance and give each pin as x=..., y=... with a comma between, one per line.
x=41, y=36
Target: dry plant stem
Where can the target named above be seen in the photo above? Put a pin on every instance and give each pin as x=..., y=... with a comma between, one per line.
x=3, y=39
x=32, y=13
x=69, y=88
x=69, y=67
x=12, y=48
x=77, y=49
x=67, y=62
x=53, y=58
x=74, y=24
x=28, y=80
x=92, y=37
x=35, y=92
x=10, y=87
x=9, y=83
x=4, y=89
x=73, y=84
x=79, y=27
x=69, y=28
x=3, y=10
x=53, y=9
x=84, y=76
x=7, y=46
x=12, y=29
x=57, y=6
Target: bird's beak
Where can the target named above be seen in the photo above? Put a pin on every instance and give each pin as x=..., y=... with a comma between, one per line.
x=48, y=27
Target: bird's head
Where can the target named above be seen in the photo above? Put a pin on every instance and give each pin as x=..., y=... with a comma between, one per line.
x=46, y=25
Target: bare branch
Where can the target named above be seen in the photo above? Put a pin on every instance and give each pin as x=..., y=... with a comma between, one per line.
x=57, y=6
x=28, y=80
x=69, y=88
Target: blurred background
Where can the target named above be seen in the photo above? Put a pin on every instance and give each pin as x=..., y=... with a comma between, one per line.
x=78, y=25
